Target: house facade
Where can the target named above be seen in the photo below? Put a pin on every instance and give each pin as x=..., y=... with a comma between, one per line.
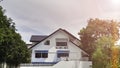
x=56, y=47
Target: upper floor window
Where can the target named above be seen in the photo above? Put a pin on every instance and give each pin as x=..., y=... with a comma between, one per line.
x=41, y=54
x=61, y=42
x=47, y=42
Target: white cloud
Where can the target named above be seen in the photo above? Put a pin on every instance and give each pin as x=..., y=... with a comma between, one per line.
x=45, y=16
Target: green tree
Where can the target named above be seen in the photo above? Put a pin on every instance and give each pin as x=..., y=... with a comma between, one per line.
x=102, y=54
x=13, y=49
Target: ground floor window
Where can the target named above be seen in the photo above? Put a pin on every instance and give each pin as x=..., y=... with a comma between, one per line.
x=41, y=54
x=61, y=53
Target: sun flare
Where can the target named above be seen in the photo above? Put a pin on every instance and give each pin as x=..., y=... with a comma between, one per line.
x=115, y=2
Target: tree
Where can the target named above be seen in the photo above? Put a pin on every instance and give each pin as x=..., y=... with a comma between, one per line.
x=119, y=56
x=102, y=54
x=98, y=38
x=115, y=57
x=13, y=49
x=95, y=29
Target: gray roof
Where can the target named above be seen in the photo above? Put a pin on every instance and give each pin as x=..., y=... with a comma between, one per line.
x=37, y=38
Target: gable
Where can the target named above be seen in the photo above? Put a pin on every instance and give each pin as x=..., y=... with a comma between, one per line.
x=61, y=33
x=57, y=35
x=54, y=33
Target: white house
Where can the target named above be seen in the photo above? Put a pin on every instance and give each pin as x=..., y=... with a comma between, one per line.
x=56, y=47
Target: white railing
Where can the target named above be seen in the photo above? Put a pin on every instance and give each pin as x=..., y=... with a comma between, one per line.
x=70, y=59
x=30, y=64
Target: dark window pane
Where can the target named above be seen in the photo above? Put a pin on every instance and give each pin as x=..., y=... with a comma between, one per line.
x=47, y=42
x=61, y=43
x=62, y=55
x=44, y=55
x=38, y=55
x=41, y=54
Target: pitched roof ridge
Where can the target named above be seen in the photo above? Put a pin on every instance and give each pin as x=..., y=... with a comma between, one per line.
x=46, y=37
x=70, y=34
x=79, y=47
x=54, y=33
x=39, y=35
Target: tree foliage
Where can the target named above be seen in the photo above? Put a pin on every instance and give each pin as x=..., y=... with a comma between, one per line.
x=114, y=58
x=95, y=29
x=102, y=53
x=98, y=38
x=13, y=50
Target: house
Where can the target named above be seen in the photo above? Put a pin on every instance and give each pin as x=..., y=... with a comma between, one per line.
x=58, y=49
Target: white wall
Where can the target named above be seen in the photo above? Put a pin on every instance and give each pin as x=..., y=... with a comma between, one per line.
x=73, y=64
x=36, y=67
x=85, y=64
x=75, y=52
x=66, y=64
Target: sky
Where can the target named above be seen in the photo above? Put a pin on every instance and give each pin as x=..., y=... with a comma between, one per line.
x=42, y=17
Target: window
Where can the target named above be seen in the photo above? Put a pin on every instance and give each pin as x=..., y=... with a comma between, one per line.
x=62, y=54
x=41, y=54
x=61, y=42
x=47, y=42
x=37, y=55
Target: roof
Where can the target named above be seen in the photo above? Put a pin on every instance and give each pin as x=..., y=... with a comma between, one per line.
x=29, y=45
x=80, y=48
x=37, y=38
x=54, y=33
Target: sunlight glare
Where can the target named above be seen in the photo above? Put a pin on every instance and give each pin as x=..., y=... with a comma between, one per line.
x=115, y=2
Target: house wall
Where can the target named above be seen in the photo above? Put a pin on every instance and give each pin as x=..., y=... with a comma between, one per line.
x=73, y=64
x=64, y=64
x=35, y=66
x=75, y=52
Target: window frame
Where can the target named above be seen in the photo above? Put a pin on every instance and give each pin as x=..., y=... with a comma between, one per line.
x=61, y=42
x=61, y=53
x=47, y=42
x=41, y=54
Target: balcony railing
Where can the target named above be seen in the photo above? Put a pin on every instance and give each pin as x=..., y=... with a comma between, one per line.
x=39, y=64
